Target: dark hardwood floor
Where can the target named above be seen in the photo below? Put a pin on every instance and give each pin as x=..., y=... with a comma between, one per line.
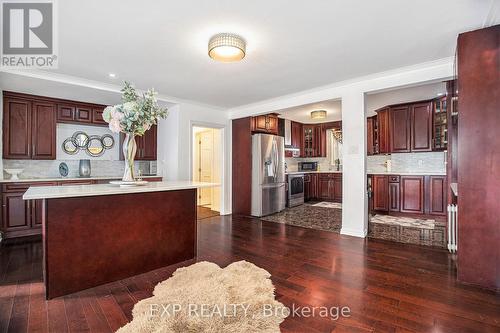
x=389, y=287
x=205, y=212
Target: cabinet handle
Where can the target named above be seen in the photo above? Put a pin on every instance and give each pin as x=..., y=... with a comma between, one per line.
x=33, y=149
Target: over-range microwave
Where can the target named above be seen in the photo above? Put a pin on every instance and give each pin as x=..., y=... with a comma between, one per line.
x=308, y=166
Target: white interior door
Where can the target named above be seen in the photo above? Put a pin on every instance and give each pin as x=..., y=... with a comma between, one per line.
x=205, y=171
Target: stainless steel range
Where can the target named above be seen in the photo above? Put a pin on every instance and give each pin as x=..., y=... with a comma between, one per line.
x=295, y=189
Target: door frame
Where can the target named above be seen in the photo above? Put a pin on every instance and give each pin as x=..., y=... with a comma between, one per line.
x=223, y=168
x=197, y=154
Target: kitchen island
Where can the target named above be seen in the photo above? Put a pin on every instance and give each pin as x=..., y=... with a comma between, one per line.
x=95, y=234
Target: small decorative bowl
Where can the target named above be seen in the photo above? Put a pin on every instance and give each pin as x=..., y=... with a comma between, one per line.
x=13, y=173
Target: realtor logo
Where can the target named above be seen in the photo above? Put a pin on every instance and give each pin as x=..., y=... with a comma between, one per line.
x=28, y=37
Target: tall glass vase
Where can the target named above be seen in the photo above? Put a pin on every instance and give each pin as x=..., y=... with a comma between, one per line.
x=129, y=150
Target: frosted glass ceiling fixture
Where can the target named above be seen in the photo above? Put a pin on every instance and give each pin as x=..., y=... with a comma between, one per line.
x=318, y=114
x=226, y=47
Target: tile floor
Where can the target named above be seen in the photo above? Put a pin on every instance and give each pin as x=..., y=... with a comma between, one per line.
x=310, y=215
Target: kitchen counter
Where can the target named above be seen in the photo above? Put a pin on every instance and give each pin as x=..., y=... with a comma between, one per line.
x=416, y=173
x=55, y=179
x=51, y=192
x=97, y=234
x=300, y=172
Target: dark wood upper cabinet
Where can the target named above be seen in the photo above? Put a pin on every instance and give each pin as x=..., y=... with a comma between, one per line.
x=441, y=117
x=146, y=145
x=97, y=116
x=65, y=113
x=272, y=125
x=29, y=129
x=404, y=128
x=412, y=194
x=29, y=124
x=80, y=113
x=313, y=142
x=83, y=114
x=382, y=134
x=43, y=129
x=296, y=129
x=421, y=127
x=16, y=128
x=260, y=123
x=149, y=145
x=320, y=137
x=380, y=188
x=370, y=134
x=265, y=124
x=399, y=129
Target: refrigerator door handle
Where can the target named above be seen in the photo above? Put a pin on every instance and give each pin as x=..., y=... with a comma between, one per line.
x=276, y=157
x=273, y=185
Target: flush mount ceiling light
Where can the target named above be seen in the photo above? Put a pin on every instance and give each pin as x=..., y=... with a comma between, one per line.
x=318, y=114
x=226, y=47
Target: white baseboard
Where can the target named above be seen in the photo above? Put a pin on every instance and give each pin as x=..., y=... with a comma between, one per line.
x=353, y=232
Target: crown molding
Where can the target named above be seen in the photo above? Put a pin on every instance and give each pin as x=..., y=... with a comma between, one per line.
x=366, y=83
x=98, y=85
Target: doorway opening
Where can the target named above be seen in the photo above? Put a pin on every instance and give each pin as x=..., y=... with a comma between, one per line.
x=207, y=167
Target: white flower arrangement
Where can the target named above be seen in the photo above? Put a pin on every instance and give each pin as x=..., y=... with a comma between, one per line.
x=137, y=113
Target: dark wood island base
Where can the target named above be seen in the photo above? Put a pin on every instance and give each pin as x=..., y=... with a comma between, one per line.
x=93, y=240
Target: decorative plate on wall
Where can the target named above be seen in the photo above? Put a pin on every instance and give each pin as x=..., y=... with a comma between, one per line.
x=63, y=169
x=94, y=145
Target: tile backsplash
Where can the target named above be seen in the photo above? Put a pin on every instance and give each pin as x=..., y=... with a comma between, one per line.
x=50, y=169
x=408, y=162
x=323, y=163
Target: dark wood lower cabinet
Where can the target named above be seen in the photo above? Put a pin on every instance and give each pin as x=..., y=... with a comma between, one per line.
x=380, y=188
x=409, y=194
x=330, y=187
x=16, y=212
x=437, y=195
x=412, y=194
x=24, y=217
x=324, y=192
x=310, y=187
x=337, y=188
x=394, y=197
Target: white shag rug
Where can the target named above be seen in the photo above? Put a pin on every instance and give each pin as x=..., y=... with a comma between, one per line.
x=206, y=298
x=327, y=204
x=403, y=221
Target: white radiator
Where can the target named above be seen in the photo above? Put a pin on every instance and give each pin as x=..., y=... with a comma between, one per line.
x=452, y=228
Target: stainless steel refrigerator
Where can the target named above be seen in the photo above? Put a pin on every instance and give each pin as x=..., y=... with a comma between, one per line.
x=268, y=174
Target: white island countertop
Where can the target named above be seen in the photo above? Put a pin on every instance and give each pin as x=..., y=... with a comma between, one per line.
x=51, y=192
x=63, y=179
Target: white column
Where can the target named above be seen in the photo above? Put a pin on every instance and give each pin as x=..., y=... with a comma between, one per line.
x=355, y=199
x=168, y=145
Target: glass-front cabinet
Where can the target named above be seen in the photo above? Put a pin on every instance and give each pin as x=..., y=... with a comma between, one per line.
x=440, y=124
x=308, y=141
